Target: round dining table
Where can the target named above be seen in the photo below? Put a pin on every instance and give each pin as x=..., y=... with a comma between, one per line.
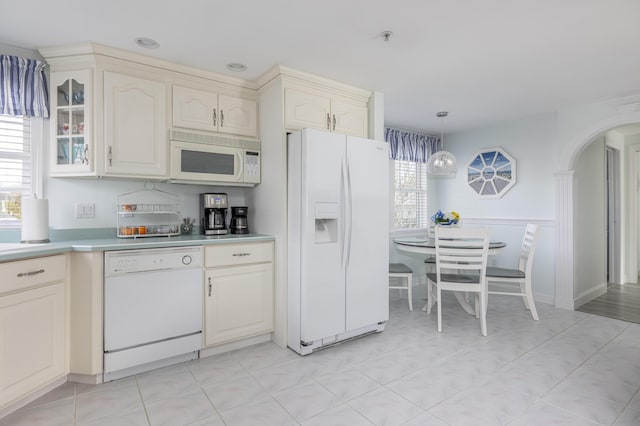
x=427, y=246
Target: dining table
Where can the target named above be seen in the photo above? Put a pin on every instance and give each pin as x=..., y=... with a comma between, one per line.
x=427, y=246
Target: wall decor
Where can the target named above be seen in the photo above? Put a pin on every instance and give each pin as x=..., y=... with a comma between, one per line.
x=491, y=173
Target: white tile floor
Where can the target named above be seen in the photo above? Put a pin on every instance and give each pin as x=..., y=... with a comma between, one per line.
x=570, y=368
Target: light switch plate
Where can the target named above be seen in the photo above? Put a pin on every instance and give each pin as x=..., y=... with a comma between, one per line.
x=85, y=210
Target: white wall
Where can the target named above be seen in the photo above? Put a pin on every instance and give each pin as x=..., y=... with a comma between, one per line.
x=590, y=222
x=631, y=210
x=532, y=143
x=7, y=49
x=271, y=194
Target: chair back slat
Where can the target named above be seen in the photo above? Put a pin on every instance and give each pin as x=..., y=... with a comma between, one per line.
x=528, y=249
x=461, y=250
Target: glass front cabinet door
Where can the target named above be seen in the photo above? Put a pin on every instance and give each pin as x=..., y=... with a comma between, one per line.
x=71, y=140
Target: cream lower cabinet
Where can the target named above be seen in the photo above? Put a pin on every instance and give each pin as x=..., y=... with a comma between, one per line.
x=33, y=326
x=238, y=290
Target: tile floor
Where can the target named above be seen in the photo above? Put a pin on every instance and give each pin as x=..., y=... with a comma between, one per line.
x=570, y=368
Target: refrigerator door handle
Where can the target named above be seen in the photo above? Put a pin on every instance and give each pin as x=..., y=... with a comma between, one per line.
x=343, y=214
x=349, y=216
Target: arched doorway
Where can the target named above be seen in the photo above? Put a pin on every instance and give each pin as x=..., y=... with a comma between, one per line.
x=576, y=130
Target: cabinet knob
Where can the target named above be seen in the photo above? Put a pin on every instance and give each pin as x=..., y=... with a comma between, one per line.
x=328, y=122
x=215, y=117
x=85, y=160
x=334, y=122
x=110, y=155
x=221, y=118
x=210, y=287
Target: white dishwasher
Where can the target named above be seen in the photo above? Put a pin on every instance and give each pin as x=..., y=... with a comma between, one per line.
x=152, y=309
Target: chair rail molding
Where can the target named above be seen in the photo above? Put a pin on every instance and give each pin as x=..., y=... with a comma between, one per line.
x=508, y=221
x=564, y=240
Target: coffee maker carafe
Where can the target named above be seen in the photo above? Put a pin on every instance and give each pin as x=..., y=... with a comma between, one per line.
x=213, y=208
x=239, y=220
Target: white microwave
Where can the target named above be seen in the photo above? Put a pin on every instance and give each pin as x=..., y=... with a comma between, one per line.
x=214, y=163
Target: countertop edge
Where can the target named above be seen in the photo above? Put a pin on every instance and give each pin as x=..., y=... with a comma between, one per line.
x=111, y=244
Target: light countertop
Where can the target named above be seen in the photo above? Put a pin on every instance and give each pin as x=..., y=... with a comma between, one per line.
x=24, y=251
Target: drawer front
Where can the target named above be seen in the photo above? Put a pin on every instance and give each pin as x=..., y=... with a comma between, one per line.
x=238, y=254
x=22, y=274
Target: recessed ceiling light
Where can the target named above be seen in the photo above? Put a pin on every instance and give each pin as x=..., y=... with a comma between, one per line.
x=147, y=43
x=237, y=67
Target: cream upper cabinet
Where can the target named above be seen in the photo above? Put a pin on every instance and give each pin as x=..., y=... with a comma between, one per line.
x=304, y=109
x=135, y=128
x=72, y=142
x=209, y=111
x=307, y=107
x=195, y=109
x=238, y=292
x=349, y=118
x=111, y=110
x=33, y=326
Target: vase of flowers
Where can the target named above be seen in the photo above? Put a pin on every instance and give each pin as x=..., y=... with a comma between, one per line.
x=441, y=218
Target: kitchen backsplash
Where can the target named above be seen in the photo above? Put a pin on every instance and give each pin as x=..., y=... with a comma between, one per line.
x=63, y=194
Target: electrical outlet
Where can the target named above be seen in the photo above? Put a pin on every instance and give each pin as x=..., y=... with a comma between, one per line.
x=85, y=210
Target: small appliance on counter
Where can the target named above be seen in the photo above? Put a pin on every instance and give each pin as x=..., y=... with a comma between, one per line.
x=239, y=220
x=213, y=208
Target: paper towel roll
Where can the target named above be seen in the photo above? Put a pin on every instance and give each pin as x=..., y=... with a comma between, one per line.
x=35, y=220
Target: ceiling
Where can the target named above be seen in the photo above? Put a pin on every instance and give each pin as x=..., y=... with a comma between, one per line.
x=483, y=61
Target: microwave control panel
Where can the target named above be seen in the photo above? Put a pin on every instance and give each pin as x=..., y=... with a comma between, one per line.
x=252, y=166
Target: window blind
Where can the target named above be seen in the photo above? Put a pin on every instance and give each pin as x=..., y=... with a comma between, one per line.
x=16, y=167
x=410, y=200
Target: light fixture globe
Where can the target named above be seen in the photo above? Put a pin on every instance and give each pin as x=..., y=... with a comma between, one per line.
x=442, y=164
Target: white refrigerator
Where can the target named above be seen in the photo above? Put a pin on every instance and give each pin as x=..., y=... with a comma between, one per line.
x=338, y=239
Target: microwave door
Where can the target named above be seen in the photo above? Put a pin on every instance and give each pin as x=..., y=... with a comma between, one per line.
x=207, y=163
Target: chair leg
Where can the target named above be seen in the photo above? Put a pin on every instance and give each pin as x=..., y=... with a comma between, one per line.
x=477, y=305
x=523, y=291
x=529, y=297
x=438, y=301
x=430, y=302
x=483, y=312
x=409, y=292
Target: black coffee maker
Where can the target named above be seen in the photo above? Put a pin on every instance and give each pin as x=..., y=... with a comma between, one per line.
x=213, y=208
x=239, y=220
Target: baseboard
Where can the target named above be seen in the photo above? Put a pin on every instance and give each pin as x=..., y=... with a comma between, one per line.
x=589, y=295
x=228, y=347
x=543, y=298
x=87, y=379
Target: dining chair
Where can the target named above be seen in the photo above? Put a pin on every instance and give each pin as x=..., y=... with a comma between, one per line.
x=518, y=281
x=461, y=263
x=402, y=271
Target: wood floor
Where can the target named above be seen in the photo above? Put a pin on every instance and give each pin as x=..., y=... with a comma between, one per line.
x=620, y=302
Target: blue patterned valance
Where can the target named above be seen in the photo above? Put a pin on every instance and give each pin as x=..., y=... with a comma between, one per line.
x=23, y=87
x=410, y=146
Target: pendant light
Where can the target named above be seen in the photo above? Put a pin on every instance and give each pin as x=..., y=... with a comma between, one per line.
x=442, y=164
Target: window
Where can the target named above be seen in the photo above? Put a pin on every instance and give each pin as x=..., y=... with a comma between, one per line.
x=16, y=168
x=410, y=195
